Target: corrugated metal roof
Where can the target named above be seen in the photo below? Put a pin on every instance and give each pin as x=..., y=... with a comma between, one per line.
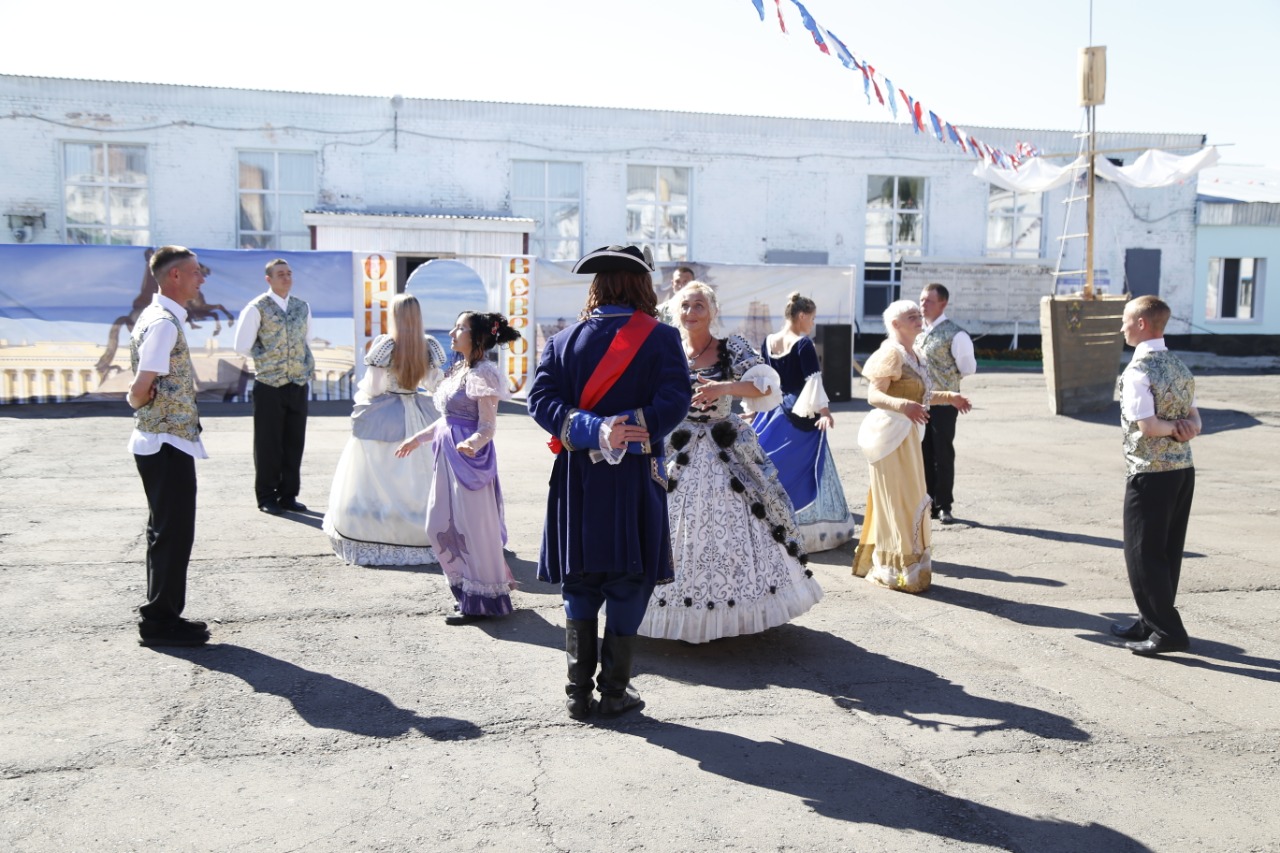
x=1210, y=212
x=497, y=216
x=1239, y=184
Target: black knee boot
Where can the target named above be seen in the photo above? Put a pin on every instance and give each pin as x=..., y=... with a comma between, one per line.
x=617, y=696
x=580, y=650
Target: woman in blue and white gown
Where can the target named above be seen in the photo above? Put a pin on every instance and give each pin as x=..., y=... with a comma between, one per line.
x=378, y=504
x=740, y=565
x=795, y=433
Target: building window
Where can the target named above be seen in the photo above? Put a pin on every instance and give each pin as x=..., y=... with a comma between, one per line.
x=1013, y=223
x=551, y=195
x=658, y=210
x=1235, y=288
x=275, y=188
x=105, y=194
x=895, y=233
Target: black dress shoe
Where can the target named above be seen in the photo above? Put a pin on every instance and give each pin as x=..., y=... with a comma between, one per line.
x=1136, y=631
x=945, y=516
x=175, y=634
x=270, y=508
x=464, y=618
x=291, y=505
x=1157, y=646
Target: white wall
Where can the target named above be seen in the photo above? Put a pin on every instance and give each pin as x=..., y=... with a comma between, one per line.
x=757, y=183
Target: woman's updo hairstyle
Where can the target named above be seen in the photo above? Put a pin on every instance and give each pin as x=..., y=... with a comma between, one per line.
x=797, y=304
x=488, y=331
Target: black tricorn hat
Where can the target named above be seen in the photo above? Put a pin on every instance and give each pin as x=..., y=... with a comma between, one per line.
x=615, y=259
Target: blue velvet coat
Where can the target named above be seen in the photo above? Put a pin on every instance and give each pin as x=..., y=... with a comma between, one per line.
x=602, y=517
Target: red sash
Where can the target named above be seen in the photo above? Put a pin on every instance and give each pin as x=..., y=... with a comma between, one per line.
x=622, y=349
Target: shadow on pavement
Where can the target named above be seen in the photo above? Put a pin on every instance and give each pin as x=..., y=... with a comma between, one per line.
x=323, y=701
x=842, y=789
x=800, y=658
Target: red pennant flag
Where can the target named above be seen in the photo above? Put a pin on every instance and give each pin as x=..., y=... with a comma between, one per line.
x=781, y=22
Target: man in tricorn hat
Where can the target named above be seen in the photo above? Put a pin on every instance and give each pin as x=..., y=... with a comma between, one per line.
x=609, y=389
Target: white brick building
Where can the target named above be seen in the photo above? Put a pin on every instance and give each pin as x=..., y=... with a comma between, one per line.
x=221, y=168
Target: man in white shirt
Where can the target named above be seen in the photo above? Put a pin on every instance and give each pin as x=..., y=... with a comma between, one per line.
x=947, y=351
x=165, y=444
x=274, y=329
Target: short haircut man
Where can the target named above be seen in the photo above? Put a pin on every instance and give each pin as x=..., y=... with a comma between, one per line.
x=274, y=329
x=947, y=351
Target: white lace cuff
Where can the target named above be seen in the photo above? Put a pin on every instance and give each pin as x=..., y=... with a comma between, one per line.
x=766, y=379
x=612, y=455
x=812, y=398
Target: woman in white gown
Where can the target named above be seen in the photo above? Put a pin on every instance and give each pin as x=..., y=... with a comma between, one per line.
x=740, y=563
x=378, y=504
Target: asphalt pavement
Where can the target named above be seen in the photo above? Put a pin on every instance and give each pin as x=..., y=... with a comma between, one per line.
x=335, y=710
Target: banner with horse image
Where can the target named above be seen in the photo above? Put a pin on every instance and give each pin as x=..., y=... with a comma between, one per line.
x=66, y=313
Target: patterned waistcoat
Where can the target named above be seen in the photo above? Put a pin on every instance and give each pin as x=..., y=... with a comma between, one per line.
x=280, y=352
x=935, y=346
x=173, y=410
x=1174, y=389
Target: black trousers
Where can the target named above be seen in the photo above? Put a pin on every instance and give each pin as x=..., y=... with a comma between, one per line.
x=169, y=479
x=1156, y=510
x=940, y=456
x=279, y=435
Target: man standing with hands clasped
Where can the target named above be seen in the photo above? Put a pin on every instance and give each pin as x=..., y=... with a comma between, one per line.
x=274, y=328
x=1159, y=418
x=947, y=351
x=166, y=444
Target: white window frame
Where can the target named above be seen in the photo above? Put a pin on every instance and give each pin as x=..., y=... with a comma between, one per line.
x=276, y=233
x=659, y=212
x=897, y=255
x=568, y=248
x=1015, y=224
x=141, y=235
x=1255, y=289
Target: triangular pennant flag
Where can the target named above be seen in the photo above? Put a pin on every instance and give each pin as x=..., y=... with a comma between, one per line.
x=781, y=22
x=843, y=53
x=759, y=4
x=893, y=102
x=937, y=125
x=872, y=76
x=812, y=26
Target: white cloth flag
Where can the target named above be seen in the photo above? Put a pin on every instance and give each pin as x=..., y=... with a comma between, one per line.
x=1152, y=169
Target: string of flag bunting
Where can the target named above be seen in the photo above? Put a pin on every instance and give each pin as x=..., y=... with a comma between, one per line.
x=875, y=82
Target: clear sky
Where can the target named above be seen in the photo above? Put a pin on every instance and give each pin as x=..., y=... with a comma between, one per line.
x=1172, y=65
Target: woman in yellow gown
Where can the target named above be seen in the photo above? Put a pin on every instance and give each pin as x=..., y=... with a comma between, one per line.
x=894, y=548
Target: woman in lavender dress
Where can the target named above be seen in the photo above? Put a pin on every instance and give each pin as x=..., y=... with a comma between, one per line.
x=465, y=522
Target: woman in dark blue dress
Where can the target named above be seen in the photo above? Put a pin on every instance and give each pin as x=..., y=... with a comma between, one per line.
x=794, y=434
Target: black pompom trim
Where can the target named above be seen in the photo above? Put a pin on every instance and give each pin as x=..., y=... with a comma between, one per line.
x=662, y=602
x=688, y=602
x=680, y=438
x=711, y=605
x=724, y=434
x=773, y=590
x=724, y=456
x=793, y=549
x=671, y=485
x=808, y=573
x=757, y=509
x=682, y=459
x=804, y=560
x=736, y=485
x=732, y=602
x=779, y=533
